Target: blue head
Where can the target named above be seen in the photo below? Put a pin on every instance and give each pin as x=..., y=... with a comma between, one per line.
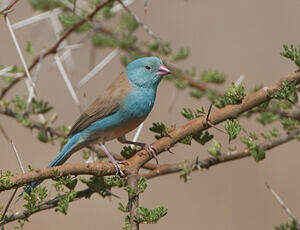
x=146, y=72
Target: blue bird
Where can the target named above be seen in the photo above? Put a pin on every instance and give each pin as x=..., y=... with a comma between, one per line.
x=122, y=107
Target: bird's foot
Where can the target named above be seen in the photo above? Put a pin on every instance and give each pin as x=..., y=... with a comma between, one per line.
x=152, y=152
x=118, y=168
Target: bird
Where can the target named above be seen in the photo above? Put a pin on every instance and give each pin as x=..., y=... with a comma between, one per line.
x=121, y=108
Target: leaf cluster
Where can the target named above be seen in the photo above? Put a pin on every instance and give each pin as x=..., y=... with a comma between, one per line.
x=292, y=53
x=5, y=179
x=150, y=216
x=233, y=128
x=35, y=197
x=234, y=95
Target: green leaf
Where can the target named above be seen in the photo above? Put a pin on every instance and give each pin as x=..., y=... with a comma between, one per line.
x=234, y=95
x=45, y=5
x=192, y=114
x=40, y=107
x=127, y=41
x=150, y=216
x=19, y=103
x=254, y=149
x=160, y=47
x=43, y=136
x=292, y=53
x=213, y=76
x=128, y=151
x=202, y=137
x=29, y=47
x=267, y=117
x=215, y=149
x=289, y=123
x=142, y=185
x=64, y=200
x=128, y=23
x=187, y=140
x=101, y=40
x=5, y=179
x=106, y=11
x=183, y=53
x=159, y=128
x=185, y=171
x=21, y=224
x=68, y=20
x=197, y=93
x=291, y=225
x=36, y=196
x=287, y=92
x=66, y=181
x=233, y=128
x=122, y=208
x=113, y=181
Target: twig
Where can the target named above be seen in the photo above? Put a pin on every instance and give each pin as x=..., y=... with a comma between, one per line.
x=281, y=203
x=9, y=6
x=44, y=206
x=119, y=7
x=212, y=161
x=133, y=200
x=53, y=49
x=5, y=70
x=19, y=51
x=35, y=18
x=67, y=81
x=9, y=140
x=145, y=27
x=98, y=67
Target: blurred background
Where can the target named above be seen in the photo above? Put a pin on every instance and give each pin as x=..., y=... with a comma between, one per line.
x=241, y=37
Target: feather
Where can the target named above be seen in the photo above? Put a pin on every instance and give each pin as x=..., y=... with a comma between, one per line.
x=108, y=103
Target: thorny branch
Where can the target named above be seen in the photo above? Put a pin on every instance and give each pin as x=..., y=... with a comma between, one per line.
x=164, y=170
x=161, y=145
x=54, y=48
x=211, y=161
x=44, y=206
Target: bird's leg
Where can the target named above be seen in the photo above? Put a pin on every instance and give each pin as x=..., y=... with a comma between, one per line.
x=150, y=150
x=112, y=160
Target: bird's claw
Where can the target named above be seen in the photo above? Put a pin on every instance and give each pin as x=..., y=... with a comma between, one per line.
x=118, y=169
x=152, y=152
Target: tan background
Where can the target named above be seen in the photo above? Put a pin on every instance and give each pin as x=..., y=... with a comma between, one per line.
x=233, y=36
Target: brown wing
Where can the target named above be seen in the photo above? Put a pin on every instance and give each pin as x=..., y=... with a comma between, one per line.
x=108, y=103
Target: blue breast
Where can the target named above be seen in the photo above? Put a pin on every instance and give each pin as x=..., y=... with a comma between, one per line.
x=139, y=102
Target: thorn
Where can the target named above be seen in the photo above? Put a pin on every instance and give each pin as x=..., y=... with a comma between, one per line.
x=211, y=124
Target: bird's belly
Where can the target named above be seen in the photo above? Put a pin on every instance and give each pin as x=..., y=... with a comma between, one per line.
x=118, y=131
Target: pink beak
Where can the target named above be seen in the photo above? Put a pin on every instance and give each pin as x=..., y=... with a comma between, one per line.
x=163, y=71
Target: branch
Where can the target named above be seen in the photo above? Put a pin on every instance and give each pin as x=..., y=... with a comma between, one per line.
x=162, y=170
x=294, y=114
x=6, y=9
x=133, y=199
x=163, y=144
x=211, y=161
x=54, y=48
x=44, y=206
x=284, y=207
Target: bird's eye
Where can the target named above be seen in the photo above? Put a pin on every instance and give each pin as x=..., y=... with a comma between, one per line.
x=147, y=67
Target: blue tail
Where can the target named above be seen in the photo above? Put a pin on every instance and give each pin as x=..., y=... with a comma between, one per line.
x=59, y=160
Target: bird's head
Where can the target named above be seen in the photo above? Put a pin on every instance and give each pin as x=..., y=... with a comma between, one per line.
x=146, y=72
